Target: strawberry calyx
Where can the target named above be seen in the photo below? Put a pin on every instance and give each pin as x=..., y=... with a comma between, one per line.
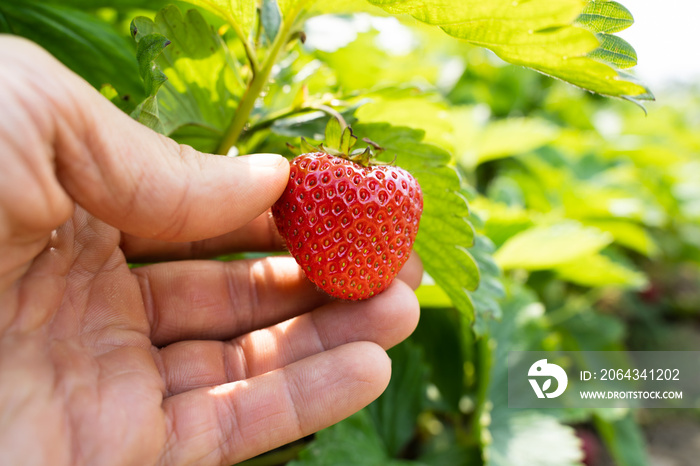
x=340, y=140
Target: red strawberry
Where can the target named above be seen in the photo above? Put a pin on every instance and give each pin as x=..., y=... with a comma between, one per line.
x=350, y=227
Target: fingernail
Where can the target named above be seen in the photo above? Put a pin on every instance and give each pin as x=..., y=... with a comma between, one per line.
x=260, y=160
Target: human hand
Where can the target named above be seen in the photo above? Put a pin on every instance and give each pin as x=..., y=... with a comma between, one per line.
x=183, y=362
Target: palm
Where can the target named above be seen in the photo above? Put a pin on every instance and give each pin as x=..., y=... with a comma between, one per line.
x=99, y=390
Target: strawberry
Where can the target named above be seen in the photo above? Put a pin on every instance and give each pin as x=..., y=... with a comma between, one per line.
x=349, y=225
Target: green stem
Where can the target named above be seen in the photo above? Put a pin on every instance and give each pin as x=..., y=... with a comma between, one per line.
x=257, y=84
x=280, y=115
x=249, y=52
x=330, y=111
x=255, y=87
x=289, y=112
x=247, y=103
x=484, y=362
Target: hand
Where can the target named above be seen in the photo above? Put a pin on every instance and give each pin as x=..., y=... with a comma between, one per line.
x=183, y=362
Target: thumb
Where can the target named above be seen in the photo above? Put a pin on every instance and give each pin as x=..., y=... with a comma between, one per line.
x=139, y=181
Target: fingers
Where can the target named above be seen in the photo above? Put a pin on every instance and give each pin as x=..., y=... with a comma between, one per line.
x=220, y=300
x=231, y=422
x=124, y=173
x=412, y=271
x=386, y=320
x=258, y=235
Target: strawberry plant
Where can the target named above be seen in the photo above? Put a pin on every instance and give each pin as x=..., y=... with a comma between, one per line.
x=547, y=214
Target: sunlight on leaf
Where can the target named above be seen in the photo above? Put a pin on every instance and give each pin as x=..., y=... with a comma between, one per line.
x=203, y=86
x=270, y=18
x=628, y=234
x=606, y=17
x=543, y=247
x=538, y=34
x=374, y=72
x=615, y=50
x=241, y=13
x=148, y=49
x=507, y=137
x=599, y=270
x=406, y=108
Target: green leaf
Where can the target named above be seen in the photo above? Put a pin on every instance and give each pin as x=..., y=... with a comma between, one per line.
x=122, y=5
x=445, y=360
x=487, y=296
x=432, y=296
x=270, y=18
x=239, y=13
x=544, y=247
x=289, y=7
x=624, y=440
x=148, y=49
x=351, y=442
x=538, y=34
x=362, y=65
x=109, y=92
x=203, y=86
x=584, y=329
x=615, y=50
x=205, y=139
x=395, y=413
x=84, y=43
x=147, y=114
x=507, y=137
x=347, y=140
x=309, y=125
x=341, y=7
x=605, y=16
x=307, y=147
x=521, y=437
x=599, y=270
x=502, y=220
x=333, y=133
x=404, y=107
x=444, y=230
x=123, y=103
x=628, y=234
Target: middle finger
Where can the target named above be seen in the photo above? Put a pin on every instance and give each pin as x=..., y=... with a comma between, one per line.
x=385, y=319
x=221, y=300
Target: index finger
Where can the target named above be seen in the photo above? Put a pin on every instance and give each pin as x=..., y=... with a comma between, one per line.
x=124, y=173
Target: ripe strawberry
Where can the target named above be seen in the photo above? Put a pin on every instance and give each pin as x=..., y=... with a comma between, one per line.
x=350, y=227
